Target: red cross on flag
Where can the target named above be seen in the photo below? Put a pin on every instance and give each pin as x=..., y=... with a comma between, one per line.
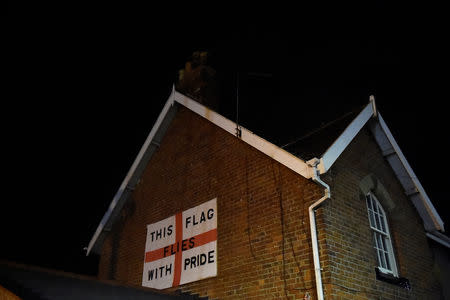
x=182, y=248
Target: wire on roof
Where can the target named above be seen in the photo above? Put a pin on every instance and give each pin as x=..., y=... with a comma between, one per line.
x=322, y=127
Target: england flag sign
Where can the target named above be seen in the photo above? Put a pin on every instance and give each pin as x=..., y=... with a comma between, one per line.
x=182, y=248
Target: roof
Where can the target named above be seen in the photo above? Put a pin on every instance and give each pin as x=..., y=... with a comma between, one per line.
x=153, y=141
x=38, y=283
x=297, y=156
x=315, y=143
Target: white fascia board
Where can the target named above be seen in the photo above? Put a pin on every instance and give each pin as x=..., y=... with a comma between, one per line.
x=119, y=194
x=282, y=156
x=438, y=223
x=336, y=149
x=441, y=239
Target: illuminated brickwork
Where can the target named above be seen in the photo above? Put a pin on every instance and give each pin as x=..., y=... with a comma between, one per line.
x=195, y=165
x=264, y=247
x=349, y=240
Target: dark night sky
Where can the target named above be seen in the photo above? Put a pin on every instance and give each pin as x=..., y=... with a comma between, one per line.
x=87, y=89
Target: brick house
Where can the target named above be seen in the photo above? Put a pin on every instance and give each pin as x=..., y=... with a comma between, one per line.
x=339, y=216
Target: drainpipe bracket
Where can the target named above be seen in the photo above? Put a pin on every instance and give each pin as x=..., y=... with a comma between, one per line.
x=317, y=165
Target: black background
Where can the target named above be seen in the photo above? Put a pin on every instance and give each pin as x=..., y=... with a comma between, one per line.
x=84, y=83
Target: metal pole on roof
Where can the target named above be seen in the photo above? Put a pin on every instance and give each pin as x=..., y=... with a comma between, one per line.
x=248, y=74
x=238, y=132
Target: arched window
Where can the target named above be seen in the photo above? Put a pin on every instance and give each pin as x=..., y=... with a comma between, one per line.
x=381, y=236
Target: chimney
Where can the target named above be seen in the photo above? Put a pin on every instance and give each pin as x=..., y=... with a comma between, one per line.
x=198, y=80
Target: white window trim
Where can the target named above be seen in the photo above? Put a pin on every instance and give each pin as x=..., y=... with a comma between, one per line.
x=387, y=234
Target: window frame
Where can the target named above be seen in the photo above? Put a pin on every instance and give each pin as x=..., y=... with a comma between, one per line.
x=377, y=219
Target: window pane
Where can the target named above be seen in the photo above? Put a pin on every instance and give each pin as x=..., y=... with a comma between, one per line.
x=379, y=259
x=383, y=260
x=382, y=228
x=371, y=218
x=375, y=206
x=382, y=219
x=386, y=252
x=377, y=220
x=379, y=249
x=369, y=201
x=382, y=242
x=375, y=239
x=383, y=251
x=386, y=255
x=383, y=239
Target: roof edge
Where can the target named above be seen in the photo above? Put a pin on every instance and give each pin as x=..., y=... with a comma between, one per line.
x=120, y=194
x=430, y=209
x=424, y=205
x=391, y=151
x=340, y=144
x=282, y=156
x=439, y=238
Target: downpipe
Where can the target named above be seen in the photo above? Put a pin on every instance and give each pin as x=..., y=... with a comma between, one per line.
x=312, y=224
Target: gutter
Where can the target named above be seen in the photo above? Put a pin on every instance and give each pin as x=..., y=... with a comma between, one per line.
x=312, y=217
x=439, y=238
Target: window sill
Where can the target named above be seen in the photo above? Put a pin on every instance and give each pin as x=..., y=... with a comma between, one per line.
x=399, y=281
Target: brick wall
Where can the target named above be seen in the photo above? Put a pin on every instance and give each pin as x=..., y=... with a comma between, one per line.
x=263, y=227
x=264, y=248
x=7, y=295
x=349, y=240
